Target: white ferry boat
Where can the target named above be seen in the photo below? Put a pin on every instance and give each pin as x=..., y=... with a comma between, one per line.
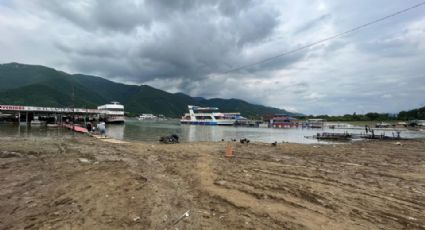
x=113, y=112
x=147, y=116
x=207, y=116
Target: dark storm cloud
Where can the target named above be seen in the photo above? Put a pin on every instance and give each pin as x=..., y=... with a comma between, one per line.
x=188, y=38
x=187, y=45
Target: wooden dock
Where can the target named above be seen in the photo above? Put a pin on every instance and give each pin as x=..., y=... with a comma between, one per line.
x=349, y=136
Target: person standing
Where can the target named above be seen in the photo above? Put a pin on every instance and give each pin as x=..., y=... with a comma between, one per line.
x=102, y=129
x=89, y=127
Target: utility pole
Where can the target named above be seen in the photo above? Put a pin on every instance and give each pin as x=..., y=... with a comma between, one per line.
x=85, y=115
x=73, y=109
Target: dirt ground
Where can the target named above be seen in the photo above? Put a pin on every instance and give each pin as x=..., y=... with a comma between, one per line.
x=85, y=183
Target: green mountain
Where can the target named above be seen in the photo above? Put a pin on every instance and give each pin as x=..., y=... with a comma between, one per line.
x=22, y=84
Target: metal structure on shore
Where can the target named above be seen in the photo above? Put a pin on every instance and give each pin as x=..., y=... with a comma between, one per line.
x=32, y=115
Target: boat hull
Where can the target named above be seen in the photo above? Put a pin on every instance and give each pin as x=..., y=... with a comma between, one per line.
x=115, y=120
x=208, y=122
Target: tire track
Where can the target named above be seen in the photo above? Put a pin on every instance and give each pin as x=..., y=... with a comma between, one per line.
x=276, y=210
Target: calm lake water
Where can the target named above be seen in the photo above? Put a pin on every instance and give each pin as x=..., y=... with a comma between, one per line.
x=150, y=131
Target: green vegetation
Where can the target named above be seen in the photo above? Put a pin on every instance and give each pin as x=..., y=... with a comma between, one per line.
x=42, y=86
x=415, y=114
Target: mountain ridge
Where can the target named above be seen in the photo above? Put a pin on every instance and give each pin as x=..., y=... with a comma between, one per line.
x=38, y=85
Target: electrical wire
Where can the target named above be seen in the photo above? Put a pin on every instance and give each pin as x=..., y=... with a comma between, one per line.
x=328, y=38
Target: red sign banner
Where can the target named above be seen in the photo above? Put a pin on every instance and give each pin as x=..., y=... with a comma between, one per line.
x=11, y=107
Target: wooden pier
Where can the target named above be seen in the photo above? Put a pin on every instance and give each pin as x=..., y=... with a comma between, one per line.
x=349, y=136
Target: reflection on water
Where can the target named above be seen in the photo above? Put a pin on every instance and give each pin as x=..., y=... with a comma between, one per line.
x=16, y=130
x=151, y=131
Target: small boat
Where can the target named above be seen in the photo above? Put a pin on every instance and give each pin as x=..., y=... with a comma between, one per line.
x=382, y=125
x=209, y=116
x=37, y=122
x=263, y=125
x=147, y=116
x=76, y=128
x=161, y=117
x=416, y=123
x=402, y=123
x=314, y=123
x=337, y=125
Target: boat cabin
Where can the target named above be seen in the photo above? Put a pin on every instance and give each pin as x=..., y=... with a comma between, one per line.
x=283, y=121
x=208, y=116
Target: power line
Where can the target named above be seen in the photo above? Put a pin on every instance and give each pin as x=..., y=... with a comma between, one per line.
x=328, y=38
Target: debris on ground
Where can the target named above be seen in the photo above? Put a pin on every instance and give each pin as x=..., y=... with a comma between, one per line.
x=172, y=139
x=84, y=160
x=244, y=141
x=186, y=214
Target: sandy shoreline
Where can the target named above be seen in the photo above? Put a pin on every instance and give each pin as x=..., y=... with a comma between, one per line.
x=85, y=183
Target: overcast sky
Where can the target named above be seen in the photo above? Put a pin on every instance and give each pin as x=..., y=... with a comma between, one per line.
x=186, y=46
